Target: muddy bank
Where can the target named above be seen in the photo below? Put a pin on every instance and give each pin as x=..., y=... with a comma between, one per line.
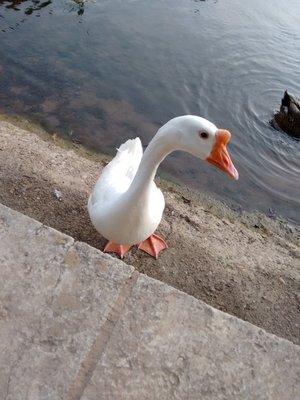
x=244, y=264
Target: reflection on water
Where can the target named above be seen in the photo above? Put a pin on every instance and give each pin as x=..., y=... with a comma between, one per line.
x=121, y=69
x=37, y=5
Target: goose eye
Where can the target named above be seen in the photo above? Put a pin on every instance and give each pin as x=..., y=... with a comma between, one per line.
x=203, y=135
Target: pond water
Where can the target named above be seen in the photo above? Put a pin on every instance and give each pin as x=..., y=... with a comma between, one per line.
x=104, y=71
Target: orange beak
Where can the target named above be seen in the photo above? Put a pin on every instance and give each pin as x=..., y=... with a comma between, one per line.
x=219, y=155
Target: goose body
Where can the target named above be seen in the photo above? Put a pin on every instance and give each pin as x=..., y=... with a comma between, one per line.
x=113, y=212
x=126, y=206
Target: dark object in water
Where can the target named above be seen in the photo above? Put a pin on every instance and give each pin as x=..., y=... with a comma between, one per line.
x=288, y=117
x=37, y=7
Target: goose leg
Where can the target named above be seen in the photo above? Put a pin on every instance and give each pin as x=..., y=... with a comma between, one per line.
x=153, y=245
x=119, y=249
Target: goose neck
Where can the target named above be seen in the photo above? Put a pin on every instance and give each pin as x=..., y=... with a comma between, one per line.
x=154, y=154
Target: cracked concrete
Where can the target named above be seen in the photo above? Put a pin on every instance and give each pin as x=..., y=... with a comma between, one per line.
x=78, y=324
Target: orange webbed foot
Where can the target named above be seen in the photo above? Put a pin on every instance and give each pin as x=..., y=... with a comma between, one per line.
x=119, y=249
x=153, y=245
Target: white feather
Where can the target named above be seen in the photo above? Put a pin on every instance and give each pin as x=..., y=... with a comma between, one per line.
x=117, y=176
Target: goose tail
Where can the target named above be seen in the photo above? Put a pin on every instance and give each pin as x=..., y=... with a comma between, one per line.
x=129, y=156
x=117, y=176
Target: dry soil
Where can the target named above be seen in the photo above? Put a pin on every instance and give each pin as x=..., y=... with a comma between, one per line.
x=245, y=264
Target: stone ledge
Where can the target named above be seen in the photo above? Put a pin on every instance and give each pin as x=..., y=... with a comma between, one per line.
x=78, y=324
x=168, y=345
x=55, y=295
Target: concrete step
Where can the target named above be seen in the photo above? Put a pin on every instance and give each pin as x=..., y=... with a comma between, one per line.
x=78, y=324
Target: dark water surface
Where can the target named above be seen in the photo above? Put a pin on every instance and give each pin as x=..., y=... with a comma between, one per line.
x=103, y=71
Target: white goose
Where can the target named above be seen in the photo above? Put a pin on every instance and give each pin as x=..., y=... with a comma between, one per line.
x=126, y=206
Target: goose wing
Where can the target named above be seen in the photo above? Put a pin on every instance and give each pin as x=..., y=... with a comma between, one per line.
x=117, y=176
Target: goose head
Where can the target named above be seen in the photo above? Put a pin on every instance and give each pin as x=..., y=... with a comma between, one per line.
x=201, y=138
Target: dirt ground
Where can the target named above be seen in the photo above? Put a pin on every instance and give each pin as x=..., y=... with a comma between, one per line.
x=244, y=264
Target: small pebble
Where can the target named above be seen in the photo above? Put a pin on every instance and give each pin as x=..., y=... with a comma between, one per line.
x=57, y=194
x=282, y=280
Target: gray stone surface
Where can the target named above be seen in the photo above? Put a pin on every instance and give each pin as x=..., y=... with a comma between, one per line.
x=78, y=324
x=168, y=345
x=54, y=297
